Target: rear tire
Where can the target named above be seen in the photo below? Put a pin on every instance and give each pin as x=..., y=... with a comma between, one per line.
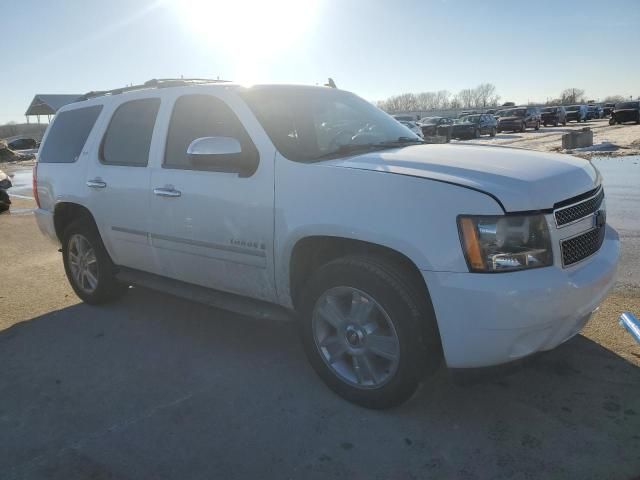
x=347, y=304
x=493, y=132
x=87, y=264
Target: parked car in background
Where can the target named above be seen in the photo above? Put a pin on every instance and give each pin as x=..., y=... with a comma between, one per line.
x=608, y=108
x=554, y=116
x=22, y=144
x=473, y=126
x=625, y=112
x=594, y=112
x=413, y=126
x=436, y=126
x=576, y=113
x=519, y=119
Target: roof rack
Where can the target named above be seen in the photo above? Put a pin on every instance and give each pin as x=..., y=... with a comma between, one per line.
x=149, y=84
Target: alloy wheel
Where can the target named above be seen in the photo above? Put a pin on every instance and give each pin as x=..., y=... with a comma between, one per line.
x=83, y=263
x=355, y=337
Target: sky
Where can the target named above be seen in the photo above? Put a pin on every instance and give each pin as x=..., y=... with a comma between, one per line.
x=530, y=51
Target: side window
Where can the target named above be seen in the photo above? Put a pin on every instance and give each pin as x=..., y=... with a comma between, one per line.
x=196, y=116
x=128, y=137
x=68, y=134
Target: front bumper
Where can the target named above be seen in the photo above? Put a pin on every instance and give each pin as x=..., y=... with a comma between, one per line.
x=490, y=319
x=511, y=125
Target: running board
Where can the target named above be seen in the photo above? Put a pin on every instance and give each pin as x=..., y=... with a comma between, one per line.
x=215, y=298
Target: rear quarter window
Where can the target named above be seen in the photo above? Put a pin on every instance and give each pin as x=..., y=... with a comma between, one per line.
x=128, y=137
x=68, y=134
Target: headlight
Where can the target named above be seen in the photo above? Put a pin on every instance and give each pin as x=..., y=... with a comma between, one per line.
x=505, y=243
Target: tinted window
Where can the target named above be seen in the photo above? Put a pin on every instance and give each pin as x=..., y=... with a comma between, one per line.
x=196, y=116
x=128, y=137
x=68, y=134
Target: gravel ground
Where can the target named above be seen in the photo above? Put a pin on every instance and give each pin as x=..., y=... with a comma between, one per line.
x=154, y=387
x=617, y=140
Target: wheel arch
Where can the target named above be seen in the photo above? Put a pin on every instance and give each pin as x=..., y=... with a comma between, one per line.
x=310, y=252
x=65, y=213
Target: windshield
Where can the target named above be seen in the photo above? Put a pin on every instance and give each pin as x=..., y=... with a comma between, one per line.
x=550, y=110
x=471, y=118
x=515, y=112
x=310, y=123
x=573, y=108
x=430, y=120
x=625, y=105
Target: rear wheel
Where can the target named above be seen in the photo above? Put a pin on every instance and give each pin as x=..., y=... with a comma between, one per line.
x=537, y=127
x=368, y=333
x=555, y=124
x=493, y=132
x=476, y=133
x=523, y=127
x=89, y=269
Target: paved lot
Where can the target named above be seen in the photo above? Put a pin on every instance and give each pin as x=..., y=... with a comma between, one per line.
x=154, y=387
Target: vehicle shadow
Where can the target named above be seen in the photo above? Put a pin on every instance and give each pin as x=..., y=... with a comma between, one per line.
x=157, y=387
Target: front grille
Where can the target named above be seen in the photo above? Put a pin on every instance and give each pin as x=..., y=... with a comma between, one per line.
x=583, y=246
x=579, y=210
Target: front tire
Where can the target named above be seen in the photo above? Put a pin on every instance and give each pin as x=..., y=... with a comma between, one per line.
x=87, y=264
x=493, y=132
x=368, y=333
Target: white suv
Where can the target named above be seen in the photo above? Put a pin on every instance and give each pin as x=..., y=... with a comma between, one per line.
x=270, y=199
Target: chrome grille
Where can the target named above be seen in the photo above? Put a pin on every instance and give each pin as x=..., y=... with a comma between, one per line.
x=582, y=246
x=572, y=213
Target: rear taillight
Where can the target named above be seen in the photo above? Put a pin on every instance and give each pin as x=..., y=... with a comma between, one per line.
x=35, y=184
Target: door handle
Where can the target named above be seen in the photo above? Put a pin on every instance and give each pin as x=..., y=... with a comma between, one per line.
x=167, y=192
x=96, y=183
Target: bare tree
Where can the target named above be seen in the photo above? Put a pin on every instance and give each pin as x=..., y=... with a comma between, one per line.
x=486, y=95
x=572, y=95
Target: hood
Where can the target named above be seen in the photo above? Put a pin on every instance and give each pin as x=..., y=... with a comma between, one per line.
x=520, y=179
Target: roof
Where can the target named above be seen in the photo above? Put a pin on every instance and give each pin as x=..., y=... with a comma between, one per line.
x=45, y=104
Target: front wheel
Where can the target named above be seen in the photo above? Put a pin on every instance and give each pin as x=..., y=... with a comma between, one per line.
x=87, y=264
x=367, y=332
x=537, y=127
x=523, y=127
x=493, y=132
x=476, y=133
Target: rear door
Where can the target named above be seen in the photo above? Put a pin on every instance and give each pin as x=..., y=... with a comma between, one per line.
x=118, y=181
x=211, y=227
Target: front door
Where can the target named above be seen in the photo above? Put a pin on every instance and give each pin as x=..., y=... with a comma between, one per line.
x=212, y=227
x=118, y=182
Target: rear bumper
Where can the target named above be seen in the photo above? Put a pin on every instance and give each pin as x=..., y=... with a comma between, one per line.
x=44, y=219
x=491, y=319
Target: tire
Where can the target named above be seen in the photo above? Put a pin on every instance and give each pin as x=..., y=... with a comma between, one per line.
x=564, y=124
x=612, y=121
x=403, y=313
x=476, y=133
x=493, y=132
x=544, y=124
x=523, y=128
x=537, y=127
x=100, y=284
x=555, y=124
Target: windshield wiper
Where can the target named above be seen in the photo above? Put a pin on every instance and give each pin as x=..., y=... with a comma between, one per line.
x=401, y=141
x=368, y=147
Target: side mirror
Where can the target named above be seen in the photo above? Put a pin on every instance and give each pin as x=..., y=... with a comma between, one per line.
x=213, y=146
x=222, y=154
